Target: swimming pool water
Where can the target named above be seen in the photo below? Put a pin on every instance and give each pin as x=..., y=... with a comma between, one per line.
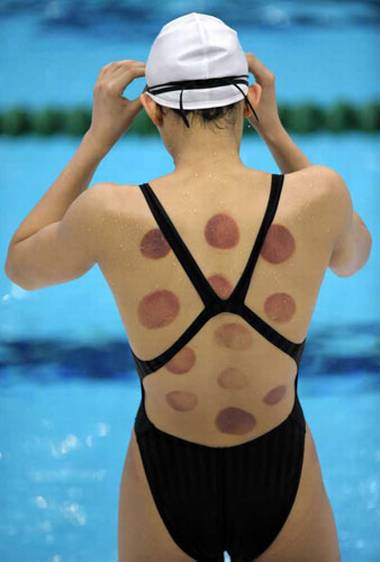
x=62, y=454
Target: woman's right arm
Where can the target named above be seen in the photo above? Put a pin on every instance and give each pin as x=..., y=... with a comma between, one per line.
x=263, y=96
x=352, y=242
x=287, y=154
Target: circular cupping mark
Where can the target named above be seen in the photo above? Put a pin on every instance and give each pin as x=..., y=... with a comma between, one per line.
x=233, y=336
x=154, y=245
x=232, y=379
x=221, y=285
x=279, y=244
x=235, y=421
x=275, y=395
x=221, y=231
x=158, y=309
x=182, y=362
x=280, y=307
x=181, y=400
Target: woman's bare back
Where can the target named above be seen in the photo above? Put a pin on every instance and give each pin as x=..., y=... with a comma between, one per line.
x=226, y=363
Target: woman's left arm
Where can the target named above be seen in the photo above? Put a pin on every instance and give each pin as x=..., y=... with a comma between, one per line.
x=56, y=242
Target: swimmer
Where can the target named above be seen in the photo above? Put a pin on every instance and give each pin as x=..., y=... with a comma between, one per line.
x=215, y=269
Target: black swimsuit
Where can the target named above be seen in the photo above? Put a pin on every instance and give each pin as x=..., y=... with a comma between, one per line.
x=216, y=499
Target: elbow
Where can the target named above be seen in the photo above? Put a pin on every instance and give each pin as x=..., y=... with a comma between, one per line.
x=357, y=256
x=17, y=278
x=363, y=242
x=363, y=250
x=9, y=264
x=366, y=247
x=8, y=269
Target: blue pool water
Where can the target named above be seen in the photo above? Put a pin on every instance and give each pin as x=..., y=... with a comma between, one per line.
x=63, y=451
x=68, y=390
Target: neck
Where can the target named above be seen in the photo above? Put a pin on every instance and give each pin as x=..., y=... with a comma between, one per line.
x=210, y=151
x=205, y=148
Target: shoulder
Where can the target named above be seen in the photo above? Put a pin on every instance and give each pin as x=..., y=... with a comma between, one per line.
x=323, y=196
x=319, y=174
x=329, y=200
x=95, y=208
x=95, y=198
x=331, y=188
x=105, y=197
x=112, y=204
x=321, y=184
x=324, y=178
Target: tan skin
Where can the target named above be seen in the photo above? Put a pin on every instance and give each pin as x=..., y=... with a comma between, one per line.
x=192, y=403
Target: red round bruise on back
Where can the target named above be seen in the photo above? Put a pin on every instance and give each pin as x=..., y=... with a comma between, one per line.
x=221, y=285
x=221, y=231
x=154, y=245
x=275, y=395
x=279, y=244
x=158, y=309
x=235, y=421
x=280, y=307
x=232, y=378
x=181, y=400
x=233, y=336
x=182, y=362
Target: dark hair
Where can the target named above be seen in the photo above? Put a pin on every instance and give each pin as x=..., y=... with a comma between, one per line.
x=210, y=115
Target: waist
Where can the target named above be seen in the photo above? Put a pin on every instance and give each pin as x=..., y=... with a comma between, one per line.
x=294, y=421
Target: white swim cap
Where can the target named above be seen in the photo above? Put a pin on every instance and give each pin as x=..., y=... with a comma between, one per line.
x=196, y=62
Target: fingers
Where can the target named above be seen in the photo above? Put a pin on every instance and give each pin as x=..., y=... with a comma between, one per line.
x=116, y=76
x=262, y=74
x=124, y=76
x=132, y=71
x=113, y=69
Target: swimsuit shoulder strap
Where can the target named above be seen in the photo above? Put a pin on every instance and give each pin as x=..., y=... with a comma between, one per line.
x=240, y=291
x=178, y=246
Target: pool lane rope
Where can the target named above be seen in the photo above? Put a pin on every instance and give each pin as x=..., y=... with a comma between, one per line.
x=308, y=117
